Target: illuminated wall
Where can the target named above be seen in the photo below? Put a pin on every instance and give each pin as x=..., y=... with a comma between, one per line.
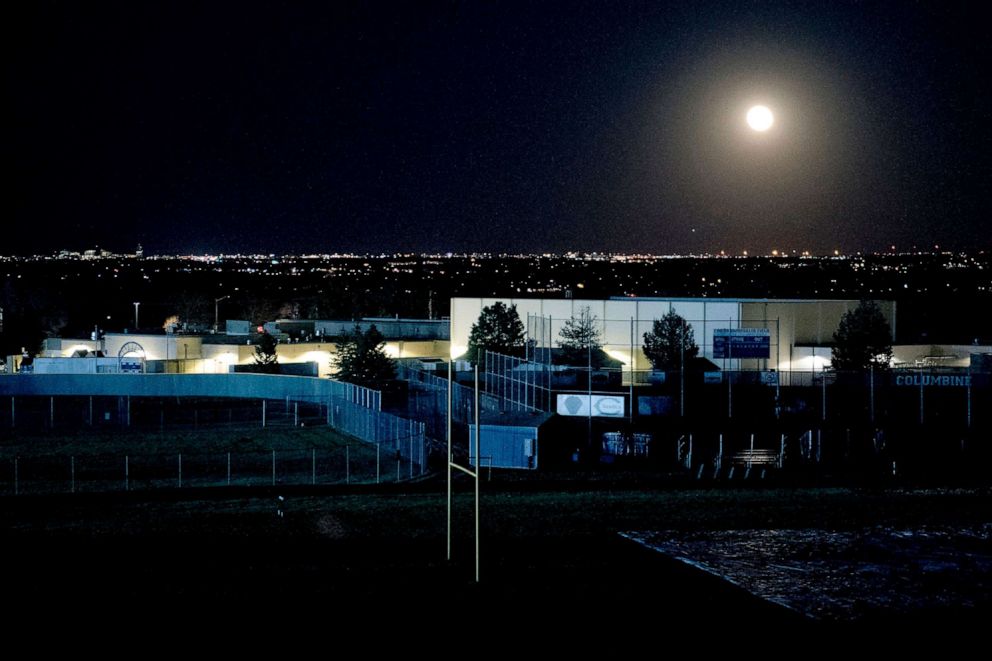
x=65, y=347
x=157, y=347
x=188, y=353
x=790, y=323
x=622, y=322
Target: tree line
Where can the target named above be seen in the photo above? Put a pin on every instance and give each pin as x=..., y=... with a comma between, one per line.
x=862, y=341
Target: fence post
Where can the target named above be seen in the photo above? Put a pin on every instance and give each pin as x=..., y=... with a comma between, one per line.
x=129, y=410
x=378, y=448
x=719, y=453
x=631, y=375
x=180, y=470
x=228, y=469
x=730, y=393
x=478, y=465
x=51, y=412
x=127, y=476
x=273, y=468
x=778, y=394
x=871, y=392
x=72, y=474
x=263, y=412
x=296, y=414
x=968, y=420
x=313, y=466
x=448, y=465
x=91, y=410
x=411, y=456
x=347, y=464
x=17, y=488
x=823, y=383
x=781, y=451
x=921, y=396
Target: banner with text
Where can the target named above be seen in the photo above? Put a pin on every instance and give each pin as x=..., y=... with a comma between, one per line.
x=741, y=343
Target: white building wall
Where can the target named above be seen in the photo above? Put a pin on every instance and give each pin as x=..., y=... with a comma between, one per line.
x=614, y=317
x=789, y=321
x=157, y=347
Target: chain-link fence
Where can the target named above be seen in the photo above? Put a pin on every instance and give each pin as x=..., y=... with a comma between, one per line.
x=65, y=413
x=719, y=339
x=428, y=403
x=357, y=463
x=395, y=439
x=956, y=397
x=832, y=451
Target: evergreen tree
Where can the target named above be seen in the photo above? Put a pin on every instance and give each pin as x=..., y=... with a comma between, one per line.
x=265, y=353
x=361, y=359
x=863, y=339
x=670, y=344
x=580, y=340
x=498, y=329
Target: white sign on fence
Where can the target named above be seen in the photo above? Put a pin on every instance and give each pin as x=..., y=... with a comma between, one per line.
x=602, y=406
x=712, y=377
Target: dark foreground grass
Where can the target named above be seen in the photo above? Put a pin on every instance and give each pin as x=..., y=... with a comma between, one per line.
x=552, y=556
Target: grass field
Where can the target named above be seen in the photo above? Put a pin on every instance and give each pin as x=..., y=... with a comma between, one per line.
x=121, y=442
x=101, y=461
x=556, y=552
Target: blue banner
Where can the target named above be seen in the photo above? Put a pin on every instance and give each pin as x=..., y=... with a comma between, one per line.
x=741, y=343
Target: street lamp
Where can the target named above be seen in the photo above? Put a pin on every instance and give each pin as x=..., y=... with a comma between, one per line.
x=136, y=304
x=216, y=308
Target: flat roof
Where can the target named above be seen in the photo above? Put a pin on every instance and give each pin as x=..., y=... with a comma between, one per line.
x=514, y=418
x=700, y=299
x=736, y=300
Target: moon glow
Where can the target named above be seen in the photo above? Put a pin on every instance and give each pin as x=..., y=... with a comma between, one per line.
x=760, y=118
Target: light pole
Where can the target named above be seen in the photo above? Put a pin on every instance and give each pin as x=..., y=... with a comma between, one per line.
x=136, y=304
x=216, y=309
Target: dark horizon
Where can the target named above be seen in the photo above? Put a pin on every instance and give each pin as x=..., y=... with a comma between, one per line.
x=264, y=128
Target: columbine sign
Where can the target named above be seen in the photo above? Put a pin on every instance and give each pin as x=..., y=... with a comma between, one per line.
x=741, y=343
x=933, y=380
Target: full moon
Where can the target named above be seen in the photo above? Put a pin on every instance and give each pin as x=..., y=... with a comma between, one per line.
x=760, y=118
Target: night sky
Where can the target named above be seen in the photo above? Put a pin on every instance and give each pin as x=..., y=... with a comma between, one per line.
x=214, y=127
